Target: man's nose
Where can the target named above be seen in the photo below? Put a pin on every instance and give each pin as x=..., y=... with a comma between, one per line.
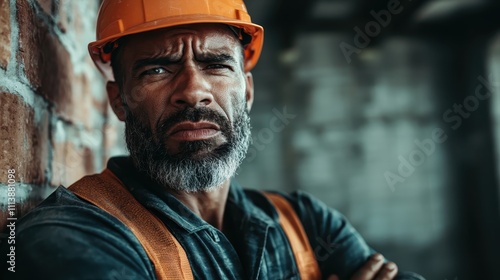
x=192, y=89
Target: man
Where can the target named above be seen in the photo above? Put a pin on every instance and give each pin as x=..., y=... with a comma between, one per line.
x=183, y=88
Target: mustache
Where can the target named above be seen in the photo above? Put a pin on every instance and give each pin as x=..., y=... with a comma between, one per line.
x=193, y=115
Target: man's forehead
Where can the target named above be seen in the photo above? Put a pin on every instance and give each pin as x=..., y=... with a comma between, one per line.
x=211, y=33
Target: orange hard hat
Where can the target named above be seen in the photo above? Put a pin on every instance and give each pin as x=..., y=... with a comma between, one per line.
x=118, y=18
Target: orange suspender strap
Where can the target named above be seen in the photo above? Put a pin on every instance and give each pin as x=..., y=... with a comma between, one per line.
x=290, y=222
x=107, y=192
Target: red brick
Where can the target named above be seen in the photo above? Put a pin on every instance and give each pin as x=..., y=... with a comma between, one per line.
x=70, y=163
x=4, y=33
x=80, y=106
x=23, y=143
x=46, y=6
x=49, y=70
x=47, y=63
x=83, y=103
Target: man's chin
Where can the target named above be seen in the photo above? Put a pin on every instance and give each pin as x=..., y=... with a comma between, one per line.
x=195, y=155
x=199, y=149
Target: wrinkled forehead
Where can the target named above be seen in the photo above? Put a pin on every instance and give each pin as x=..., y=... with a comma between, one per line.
x=205, y=37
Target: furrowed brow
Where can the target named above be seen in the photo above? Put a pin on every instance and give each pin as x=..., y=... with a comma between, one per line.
x=216, y=58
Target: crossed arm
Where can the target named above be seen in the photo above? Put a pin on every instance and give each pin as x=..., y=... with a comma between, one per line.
x=374, y=269
x=339, y=249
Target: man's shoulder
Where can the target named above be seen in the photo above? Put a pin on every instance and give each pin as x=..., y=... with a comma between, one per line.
x=311, y=210
x=60, y=203
x=66, y=212
x=60, y=197
x=300, y=200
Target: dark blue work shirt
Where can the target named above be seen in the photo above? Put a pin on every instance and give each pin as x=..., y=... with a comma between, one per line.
x=68, y=238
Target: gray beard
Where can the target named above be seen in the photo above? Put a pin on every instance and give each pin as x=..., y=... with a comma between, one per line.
x=186, y=171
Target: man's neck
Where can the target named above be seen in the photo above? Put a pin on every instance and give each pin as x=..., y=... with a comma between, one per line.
x=207, y=205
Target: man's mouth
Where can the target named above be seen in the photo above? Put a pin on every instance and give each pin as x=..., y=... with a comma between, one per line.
x=192, y=131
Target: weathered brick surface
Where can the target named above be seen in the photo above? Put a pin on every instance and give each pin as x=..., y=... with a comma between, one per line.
x=64, y=18
x=84, y=102
x=59, y=82
x=23, y=142
x=46, y=62
x=73, y=17
x=50, y=71
x=79, y=107
x=70, y=163
x=46, y=5
x=4, y=33
x=114, y=140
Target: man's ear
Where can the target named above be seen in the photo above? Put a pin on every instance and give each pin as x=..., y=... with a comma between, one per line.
x=249, y=90
x=115, y=100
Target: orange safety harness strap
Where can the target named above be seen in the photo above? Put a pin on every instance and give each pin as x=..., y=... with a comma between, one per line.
x=107, y=192
x=290, y=222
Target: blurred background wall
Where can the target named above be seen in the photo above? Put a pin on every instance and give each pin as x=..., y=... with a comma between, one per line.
x=393, y=111
x=386, y=110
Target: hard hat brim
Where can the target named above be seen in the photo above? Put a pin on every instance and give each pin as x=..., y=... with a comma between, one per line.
x=252, y=50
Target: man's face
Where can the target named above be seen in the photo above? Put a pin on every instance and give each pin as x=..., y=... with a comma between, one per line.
x=185, y=104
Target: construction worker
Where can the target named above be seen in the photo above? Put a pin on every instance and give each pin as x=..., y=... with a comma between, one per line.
x=179, y=77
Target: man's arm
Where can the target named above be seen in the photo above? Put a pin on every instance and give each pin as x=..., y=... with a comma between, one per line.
x=338, y=247
x=374, y=268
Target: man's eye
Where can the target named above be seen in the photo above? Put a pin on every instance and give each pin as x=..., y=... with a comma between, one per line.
x=155, y=71
x=217, y=66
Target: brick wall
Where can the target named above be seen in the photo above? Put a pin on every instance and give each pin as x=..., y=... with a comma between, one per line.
x=53, y=106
